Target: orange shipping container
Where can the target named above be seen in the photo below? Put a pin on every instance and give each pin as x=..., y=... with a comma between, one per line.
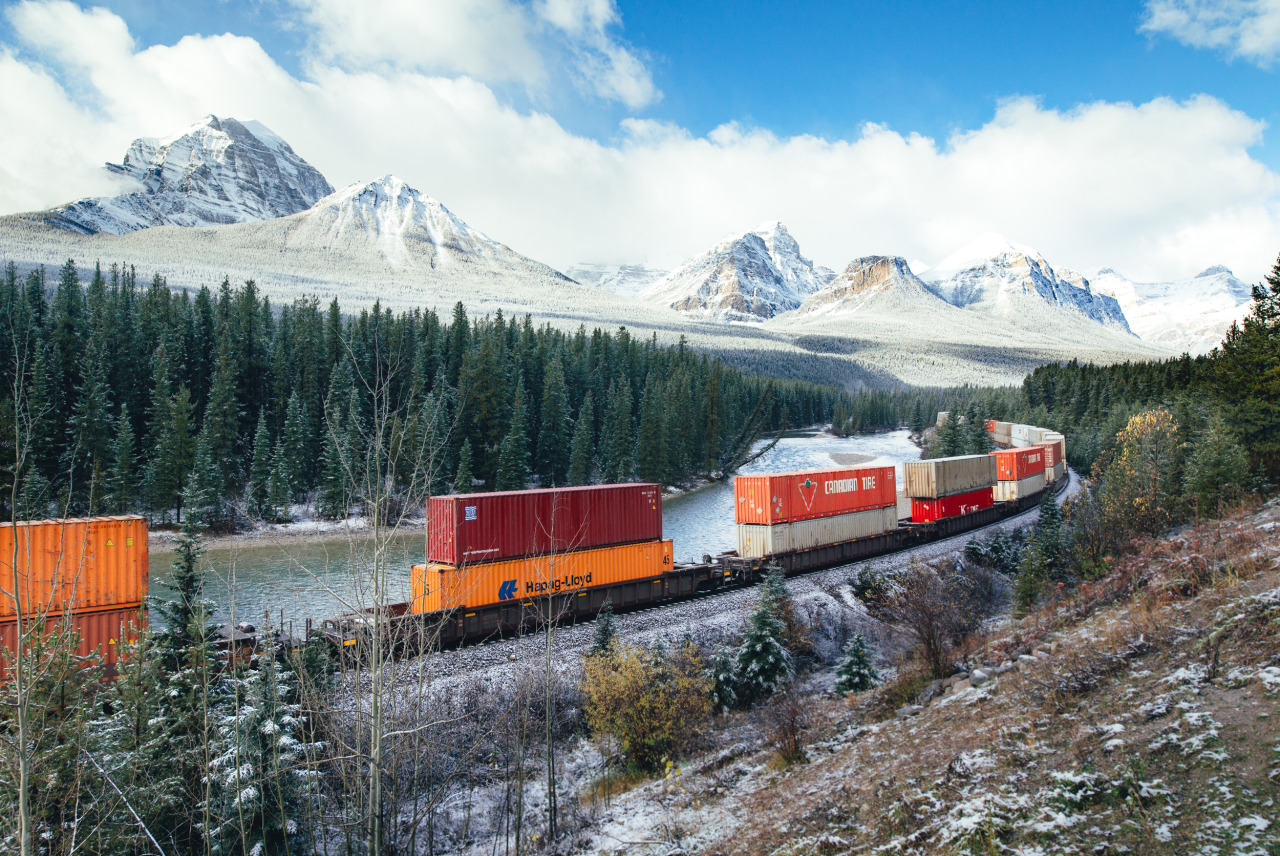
x=439, y=586
x=1054, y=451
x=788, y=497
x=84, y=564
x=1018, y=464
x=101, y=634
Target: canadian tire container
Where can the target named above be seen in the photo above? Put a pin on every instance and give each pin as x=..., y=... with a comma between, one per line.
x=441, y=586
x=946, y=476
x=788, y=497
x=82, y=564
x=490, y=527
x=1017, y=464
x=1010, y=490
x=100, y=633
x=927, y=510
x=756, y=540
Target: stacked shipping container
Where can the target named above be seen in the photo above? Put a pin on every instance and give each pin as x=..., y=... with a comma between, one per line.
x=949, y=487
x=1019, y=472
x=86, y=575
x=786, y=512
x=492, y=547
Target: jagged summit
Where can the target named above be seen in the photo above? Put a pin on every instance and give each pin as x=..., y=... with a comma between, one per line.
x=1013, y=281
x=751, y=276
x=1184, y=315
x=1214, y=271
x=875, y=285
x=215, y=172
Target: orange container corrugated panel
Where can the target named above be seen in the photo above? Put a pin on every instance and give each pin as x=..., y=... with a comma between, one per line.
x=1054, y=451
x=101, y=634
x=439, y=586
x=788, y=497
x=1018, y=464
x=83, y=564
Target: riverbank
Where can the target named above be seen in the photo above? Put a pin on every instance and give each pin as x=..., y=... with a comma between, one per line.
x=163, y=541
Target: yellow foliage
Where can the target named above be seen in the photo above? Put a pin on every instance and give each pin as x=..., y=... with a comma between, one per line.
x=1141, y=486
x=649, y=709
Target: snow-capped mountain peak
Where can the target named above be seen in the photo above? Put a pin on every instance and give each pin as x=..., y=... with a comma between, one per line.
x=1014, y=281
x=750, y=276
x=215, y=172
x=1186, y=315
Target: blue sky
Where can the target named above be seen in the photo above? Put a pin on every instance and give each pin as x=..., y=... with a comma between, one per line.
x=677, y=122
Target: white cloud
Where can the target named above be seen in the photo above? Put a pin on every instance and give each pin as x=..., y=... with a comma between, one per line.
x=495, y=41
x=1244, y=29
x=1161, y=189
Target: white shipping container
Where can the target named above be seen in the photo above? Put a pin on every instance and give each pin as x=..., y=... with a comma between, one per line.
x=942, y=417
x=1036, y=435
x=1021, y=435
x=757, y=540
x=1009, y=490
x=1051, y=436
x=1059, y=470
x=941, y=477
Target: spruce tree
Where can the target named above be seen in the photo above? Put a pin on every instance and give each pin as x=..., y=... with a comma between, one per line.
x=553, y=433
x=334, y=496
x=855, y=672
x=948, y=442
x=617, y=437
x=260, y=472
x=513, y=459
x=722, y=672
x=606, y=630
x=296, y=445
x=580, y=455
x=976, y=438
x=202, y=497
x=462, y=482
x=651, y=453
x=278, y=494
x=122, y=482
x=763, y=662
x=1218, y=468
x=222, y=421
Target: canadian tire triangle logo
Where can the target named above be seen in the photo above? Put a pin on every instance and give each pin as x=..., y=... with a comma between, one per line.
x=808, y=490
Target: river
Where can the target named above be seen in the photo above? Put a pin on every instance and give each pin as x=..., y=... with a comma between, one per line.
x=320, y=580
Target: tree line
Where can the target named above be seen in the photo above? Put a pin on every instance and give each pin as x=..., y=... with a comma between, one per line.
x=133, y=395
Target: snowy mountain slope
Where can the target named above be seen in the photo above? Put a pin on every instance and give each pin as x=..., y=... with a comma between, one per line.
x=1014, y=282
x=1190, y=315
x=751, y=276
x=626, y=280
x=217, y=171
x=874, y=285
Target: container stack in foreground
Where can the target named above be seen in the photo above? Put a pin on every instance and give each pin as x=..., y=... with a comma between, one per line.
x=83, y=576
x=788, y=512
x=1019, y=472
x=949, y=487
x=488, y=548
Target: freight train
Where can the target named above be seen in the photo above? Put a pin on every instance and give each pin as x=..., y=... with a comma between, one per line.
x=505, y=563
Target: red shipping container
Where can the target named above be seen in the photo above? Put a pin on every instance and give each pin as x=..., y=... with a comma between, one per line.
x=490, y=527
x=1054, y=451
x=101, y=633
x=927, y=510
x=787, y=497
x=1018, y=464
x=990, y=425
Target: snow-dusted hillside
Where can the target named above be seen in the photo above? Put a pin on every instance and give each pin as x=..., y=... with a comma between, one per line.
x=1190, y=315
x=626, y=280
x=752, y=276
x=1014, y=282
x=216, y=171
x=875, y=285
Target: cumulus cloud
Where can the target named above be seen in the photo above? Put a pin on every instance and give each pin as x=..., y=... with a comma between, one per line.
x=1244, y=29
x=494, y=41
x=1161, y=189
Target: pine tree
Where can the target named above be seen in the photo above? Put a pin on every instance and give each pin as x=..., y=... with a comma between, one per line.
x=722, y=672
x=855, y=673
x=462, y=482
x=260, y=471
x=334, y=497
x=89, y=434
x=918, y=420
x=202, y=497
x=297, y=447
x=617, y=438
x=948, y=442
x=763, y=663
x=553, y=433
x=580, y=455
x=976, y=438
x=513, y=459
x=1218, y=468
x=277, y=508
x=122, y=482
x=651, y=454
x=606, y=630
x=222, y=421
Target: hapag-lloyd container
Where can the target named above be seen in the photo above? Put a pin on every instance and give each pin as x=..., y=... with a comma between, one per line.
x=100, y=633
x=1017, y=464
x=939, y=477
x=491, y=527
x=1008, y=490
x=756, y=540
x=440, y=586
x=80, y=564
x=787, y=497
x=927, y=510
